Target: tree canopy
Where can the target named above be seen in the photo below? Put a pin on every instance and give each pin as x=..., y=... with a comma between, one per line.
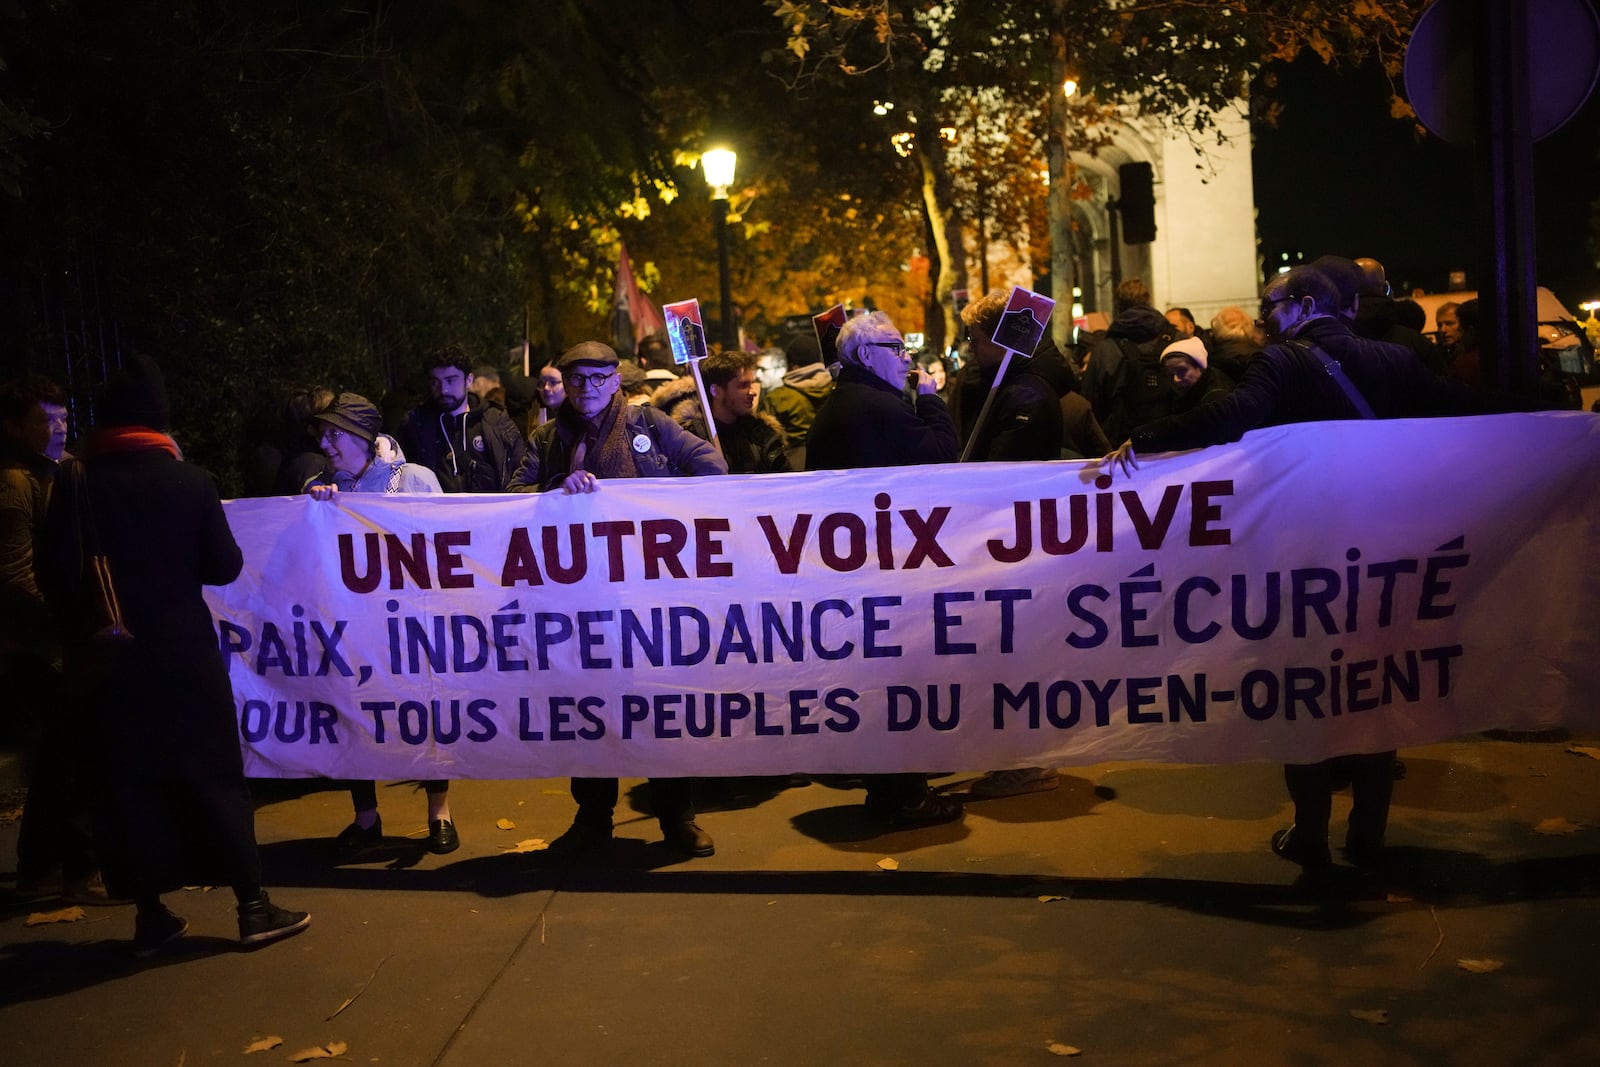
x=264, y=193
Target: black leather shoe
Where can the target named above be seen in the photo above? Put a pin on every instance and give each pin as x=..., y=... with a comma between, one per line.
x=930, y=809
x=582, y=840
x=442, y=836
x=355, y=838
x=1296, y=849
x=688, y=838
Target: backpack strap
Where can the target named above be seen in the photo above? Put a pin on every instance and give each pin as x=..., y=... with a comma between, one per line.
x=1339, y=377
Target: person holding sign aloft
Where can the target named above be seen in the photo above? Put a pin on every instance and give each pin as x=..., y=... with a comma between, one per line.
x=1023, y=423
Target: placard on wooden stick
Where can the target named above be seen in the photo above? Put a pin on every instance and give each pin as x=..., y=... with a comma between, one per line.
x=686, y=333
x=1019, y=331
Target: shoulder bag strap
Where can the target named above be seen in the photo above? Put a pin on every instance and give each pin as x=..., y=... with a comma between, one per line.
x=1340, y=378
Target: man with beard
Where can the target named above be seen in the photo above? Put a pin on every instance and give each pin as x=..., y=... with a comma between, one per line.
x=751, y=441
x=598, y=435
x=472, y=446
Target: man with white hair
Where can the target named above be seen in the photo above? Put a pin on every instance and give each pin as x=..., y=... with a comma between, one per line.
x=868, y=422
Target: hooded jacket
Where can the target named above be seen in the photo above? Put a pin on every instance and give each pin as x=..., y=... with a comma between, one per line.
x=1123, y=378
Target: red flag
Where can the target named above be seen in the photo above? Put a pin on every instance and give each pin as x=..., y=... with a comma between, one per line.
x=631, y=308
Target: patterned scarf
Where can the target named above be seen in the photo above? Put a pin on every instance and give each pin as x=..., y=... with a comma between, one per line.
x=599, y=446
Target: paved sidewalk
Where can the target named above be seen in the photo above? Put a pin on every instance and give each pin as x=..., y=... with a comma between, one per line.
x=1134, y=913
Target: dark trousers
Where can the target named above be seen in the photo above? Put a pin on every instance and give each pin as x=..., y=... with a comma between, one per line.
x=364, y=795
x=1311, y=786
x=671, y=798
x=55, y=829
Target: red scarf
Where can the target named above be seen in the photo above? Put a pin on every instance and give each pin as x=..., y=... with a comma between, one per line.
x=114, y=440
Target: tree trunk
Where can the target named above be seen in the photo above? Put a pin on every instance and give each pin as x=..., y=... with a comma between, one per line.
x=1059, y=202
x=944, y=223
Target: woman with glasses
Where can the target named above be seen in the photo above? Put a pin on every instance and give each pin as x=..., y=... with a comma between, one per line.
x=365, y=460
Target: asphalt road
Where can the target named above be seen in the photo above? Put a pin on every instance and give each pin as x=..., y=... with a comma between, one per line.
x=1134, y=913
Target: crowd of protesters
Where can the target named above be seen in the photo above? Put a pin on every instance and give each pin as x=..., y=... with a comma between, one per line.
x=135, y=775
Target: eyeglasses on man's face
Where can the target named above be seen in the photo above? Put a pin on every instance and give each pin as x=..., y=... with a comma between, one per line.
x=587, y=381
x=1270, y=302
x=332, y=434
x=897, y=347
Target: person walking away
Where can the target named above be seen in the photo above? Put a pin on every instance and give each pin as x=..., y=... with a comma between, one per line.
x=170, y=800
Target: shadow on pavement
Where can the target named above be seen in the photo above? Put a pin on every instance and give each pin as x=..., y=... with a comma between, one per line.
x=1340, y=898
x=39, y=970
x=1421, y=875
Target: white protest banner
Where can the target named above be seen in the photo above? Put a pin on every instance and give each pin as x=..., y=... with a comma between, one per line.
x=1314, y=589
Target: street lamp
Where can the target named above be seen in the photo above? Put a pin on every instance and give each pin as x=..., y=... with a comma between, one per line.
x=718, y=164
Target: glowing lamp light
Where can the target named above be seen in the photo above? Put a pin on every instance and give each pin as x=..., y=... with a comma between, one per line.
x=882, y=107
x=718, y=164
x=1590, y=306
x=1069, y=87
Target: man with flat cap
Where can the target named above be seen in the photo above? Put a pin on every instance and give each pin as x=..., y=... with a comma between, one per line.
x=598, y=435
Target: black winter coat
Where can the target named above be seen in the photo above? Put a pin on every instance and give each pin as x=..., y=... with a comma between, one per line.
x=160, y=707
x=1123, y=378
x=476, y=452
x=1286, y=384
x=1024, y=422
x=866, y=422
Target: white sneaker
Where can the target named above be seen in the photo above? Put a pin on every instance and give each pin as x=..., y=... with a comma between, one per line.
x=1014, y=782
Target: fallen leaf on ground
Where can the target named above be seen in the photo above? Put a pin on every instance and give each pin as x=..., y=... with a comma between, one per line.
x=1056, y=1048
x=1480, y=966
x=321, y=1052
x=1047, y=899
x=1557, y=825
x=888, y=864
x=505, y=824
x=1376, y=1016
x=1584, y=750
x=263, y=1044
x=45, y=918
x=532, y=844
